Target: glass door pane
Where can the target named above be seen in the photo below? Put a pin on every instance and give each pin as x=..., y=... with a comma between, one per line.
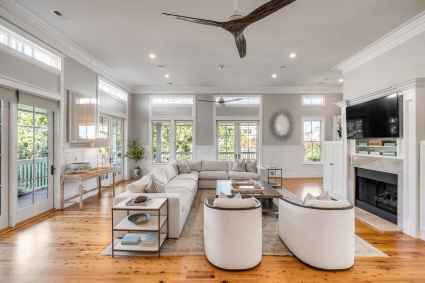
x=226, y=145
x=32, y=165
x=117, y=146
x=248, y=140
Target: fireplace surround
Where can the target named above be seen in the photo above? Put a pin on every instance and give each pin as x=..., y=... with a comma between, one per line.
x=376, y=192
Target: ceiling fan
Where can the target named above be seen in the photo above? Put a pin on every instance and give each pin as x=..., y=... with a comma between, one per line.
x=220, y=100
x=238, y=23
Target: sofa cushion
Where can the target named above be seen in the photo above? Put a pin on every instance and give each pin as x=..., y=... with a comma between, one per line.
x=171, y=171
x=194, y=175
x=213, y=175
x=214, y=165
x=184, y=167
x=251, y=166
x=317, y=203
x=195, y=165
x=239, y=165
x=235, y=202
x=160, y=175
x=234, y=175
x=188, y=185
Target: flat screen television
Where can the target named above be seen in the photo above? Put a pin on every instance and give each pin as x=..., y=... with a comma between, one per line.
x=378, y=118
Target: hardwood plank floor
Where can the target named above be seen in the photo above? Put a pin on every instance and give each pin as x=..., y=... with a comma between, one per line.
x=66, y=247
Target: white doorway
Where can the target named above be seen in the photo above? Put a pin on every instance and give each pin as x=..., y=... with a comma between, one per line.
x=34, y=160
x=237, y=140
x=4, y=203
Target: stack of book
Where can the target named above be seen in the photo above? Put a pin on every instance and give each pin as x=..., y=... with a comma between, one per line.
x=130, y=240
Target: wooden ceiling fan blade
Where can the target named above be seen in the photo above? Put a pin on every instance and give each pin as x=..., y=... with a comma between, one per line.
x=194, y=20
x=265, y=10
x=240, y=44
x=206, y=100
x=234, y=100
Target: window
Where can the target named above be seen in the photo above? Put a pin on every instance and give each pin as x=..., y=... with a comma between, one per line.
x=313, y=100
x=29, y=49
x=184, y=133
x=244, y=100
x=312, y=140
x=237, y=140
x=174, y=100
x=226, y=140
x=161, y=141
x=112, y=90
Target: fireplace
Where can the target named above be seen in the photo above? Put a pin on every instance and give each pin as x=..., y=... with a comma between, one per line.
x=376, y=192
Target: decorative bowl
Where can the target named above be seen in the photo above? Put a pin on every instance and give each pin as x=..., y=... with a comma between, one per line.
x=139, y=218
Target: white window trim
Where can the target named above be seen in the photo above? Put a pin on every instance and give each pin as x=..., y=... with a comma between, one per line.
x=322, y=138
x=111, y=89
x=322, y=98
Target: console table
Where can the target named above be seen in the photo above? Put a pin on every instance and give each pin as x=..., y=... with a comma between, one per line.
x=81, y=177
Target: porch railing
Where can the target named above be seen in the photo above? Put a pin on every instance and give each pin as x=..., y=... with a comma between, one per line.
x=29, y=178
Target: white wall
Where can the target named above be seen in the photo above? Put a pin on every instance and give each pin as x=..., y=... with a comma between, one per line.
x=405, y=62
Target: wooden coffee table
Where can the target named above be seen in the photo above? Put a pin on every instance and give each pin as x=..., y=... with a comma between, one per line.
x=225, y=187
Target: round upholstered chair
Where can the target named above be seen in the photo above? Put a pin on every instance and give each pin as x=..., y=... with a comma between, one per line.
x=322, y=237
x=233, y=236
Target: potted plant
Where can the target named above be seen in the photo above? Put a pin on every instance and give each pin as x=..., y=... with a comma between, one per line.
x=136, y=152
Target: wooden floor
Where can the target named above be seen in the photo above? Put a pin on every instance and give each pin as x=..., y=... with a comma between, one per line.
x=65, y=247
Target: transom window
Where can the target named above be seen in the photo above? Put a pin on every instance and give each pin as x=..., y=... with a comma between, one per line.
x=312, y=140
x=29, y=49
x=313, y=100
x=112, y=90
x=175, y=100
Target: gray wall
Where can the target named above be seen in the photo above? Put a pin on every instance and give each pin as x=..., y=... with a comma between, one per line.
x=291, y=104
x=20, y=69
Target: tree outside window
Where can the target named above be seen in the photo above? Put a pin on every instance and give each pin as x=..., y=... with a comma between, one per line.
x=184, y=138
x=312, y=140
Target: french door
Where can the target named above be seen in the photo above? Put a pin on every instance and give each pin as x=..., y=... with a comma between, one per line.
x=112, y=129
x=34, y=127
x=4, y=210
x=237, y=140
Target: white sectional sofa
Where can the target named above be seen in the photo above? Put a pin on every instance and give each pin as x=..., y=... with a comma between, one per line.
x=180, y=189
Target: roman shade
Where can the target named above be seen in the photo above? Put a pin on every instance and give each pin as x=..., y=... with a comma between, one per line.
x=31, y=99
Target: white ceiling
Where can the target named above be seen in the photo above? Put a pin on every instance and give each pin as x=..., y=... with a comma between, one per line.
x=323, y=33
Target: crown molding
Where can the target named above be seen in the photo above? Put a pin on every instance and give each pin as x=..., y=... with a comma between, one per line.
x=396, y=88
x=41, y=31
x=251, y=90
x=391, y=40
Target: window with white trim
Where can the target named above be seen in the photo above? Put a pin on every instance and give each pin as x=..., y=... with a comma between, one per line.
x=161, y=141
x=312, y=138
x=112, y=90
x=313, y=100
x=27, y=48
x=184, y=140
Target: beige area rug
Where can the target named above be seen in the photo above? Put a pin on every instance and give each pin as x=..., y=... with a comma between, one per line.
x=191, y=239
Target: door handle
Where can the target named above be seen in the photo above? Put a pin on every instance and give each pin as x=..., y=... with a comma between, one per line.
x=52, y=170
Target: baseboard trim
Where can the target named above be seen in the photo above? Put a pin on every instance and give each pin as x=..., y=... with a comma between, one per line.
x=29, y=222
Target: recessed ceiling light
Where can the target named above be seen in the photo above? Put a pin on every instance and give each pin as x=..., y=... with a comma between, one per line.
x=293, y=55
x=167, y=76
x=274, y=76
x=341, y=80
x=152, y=55
x=57, y=13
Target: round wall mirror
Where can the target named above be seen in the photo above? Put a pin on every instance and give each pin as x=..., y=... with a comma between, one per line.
x=281, y=125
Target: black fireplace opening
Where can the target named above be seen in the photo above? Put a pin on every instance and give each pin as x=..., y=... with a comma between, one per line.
x=376, y=192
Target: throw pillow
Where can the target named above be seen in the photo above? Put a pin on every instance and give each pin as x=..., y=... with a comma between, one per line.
x=140, y=185
x=251, y=166
x=184, y=167
x=171, y=171
x=328, y=203
x=160, y=174
x=239, y=165
x=156, y=187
